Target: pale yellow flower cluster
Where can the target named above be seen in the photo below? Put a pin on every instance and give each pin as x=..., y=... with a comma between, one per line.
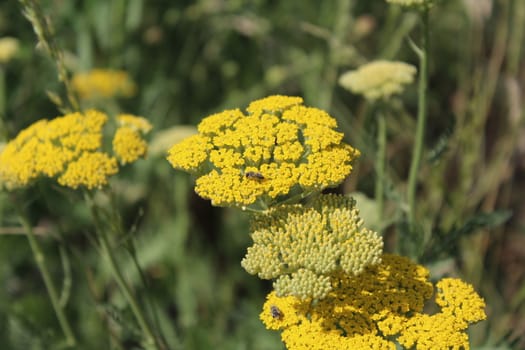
x=377, y=309
x=303, y=247
x=279, y=149
x=8, y=48
x=70, y=149
x=378, y=79
x=412, y=3
x=103, y=83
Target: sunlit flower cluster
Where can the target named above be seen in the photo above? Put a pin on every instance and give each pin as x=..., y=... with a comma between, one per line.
x=8, y=48
x=378, y=309
x=303, y=247
x=103, y=83
x=69, y=149
x=129, y=143
x=279, y=149
x=378, y=79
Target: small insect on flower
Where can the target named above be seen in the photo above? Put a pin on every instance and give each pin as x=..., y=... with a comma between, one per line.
x=254, y=175
x=276, y=313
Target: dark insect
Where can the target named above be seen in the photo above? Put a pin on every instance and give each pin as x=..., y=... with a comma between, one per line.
x=254, y=175
x=276, y=313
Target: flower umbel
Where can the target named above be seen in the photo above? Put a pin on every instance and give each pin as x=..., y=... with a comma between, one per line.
x=377, y=309
x=303, y=247
x=378, y=79
x=103, y=83
x=277, y=150
x=70, y=149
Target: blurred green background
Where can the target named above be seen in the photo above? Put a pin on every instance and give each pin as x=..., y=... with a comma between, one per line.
x=193, y=58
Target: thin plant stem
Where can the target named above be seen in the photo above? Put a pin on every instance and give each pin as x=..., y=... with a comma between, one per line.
x=3, y=124
x=341, y=24
x=150, y=340
x=417, y=152
x=380, y=167
x=46, y=276
x=44, y=31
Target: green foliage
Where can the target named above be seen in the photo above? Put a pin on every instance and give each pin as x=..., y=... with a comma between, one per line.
x=193, y=58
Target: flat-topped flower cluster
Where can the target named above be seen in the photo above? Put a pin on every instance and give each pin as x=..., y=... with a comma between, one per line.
x=379, y=308
x=280, y=148
x=70, y=149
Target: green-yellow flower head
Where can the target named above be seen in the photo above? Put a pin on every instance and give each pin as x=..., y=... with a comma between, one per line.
x=378, y=79
x=103, y=83
x=302, y=247
x=69, y=149
x=279, y=149
x=8, y=49
x=377, y=309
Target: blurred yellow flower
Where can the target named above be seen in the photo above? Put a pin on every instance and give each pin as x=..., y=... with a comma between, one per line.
x=8, y=48
x=377, y=309
x=103, y=83
x=302, y=247
x=413, y=3
x=279, y=149
x=69, y=148
x=378, y=79
x=128, y=141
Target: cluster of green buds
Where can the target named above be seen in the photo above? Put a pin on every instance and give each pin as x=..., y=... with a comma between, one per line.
x=303, y=246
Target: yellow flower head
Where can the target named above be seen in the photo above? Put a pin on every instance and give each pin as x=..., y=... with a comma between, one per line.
x=377, y=309
x=68, y=148
x=302, y=247
x=280, y=148
x=8, y=49
x=103, y=83
x=128, y=142
x=378, y=79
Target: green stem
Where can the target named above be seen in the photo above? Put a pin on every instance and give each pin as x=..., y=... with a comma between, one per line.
x=380, y=167
x=151, y=340
x=46, y=276
x=340, y=30
x=421, y=120
x=3, y=124
x=44, y=31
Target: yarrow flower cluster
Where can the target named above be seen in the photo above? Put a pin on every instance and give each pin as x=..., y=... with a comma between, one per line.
x=279, y=149
x=70, y=149
x=103, y=83
x=378, y=309
x=303, y=247
x=333, y=286
x=378, y=79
